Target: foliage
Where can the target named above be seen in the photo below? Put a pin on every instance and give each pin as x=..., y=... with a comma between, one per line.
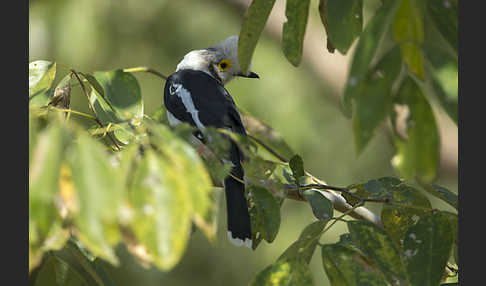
x=130, y=179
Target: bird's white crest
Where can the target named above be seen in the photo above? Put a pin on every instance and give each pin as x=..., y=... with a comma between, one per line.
x=206, y=60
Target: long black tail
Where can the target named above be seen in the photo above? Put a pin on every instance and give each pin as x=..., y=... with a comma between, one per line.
x=238, y=218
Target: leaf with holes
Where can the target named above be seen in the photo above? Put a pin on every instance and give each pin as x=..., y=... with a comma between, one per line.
x=347, y=267
x=426, y=249
x=305, y=245
x=378, y=245
x=289, y=272
x=412, y=206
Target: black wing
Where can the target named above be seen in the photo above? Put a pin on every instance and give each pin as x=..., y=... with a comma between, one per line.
x=211, y=102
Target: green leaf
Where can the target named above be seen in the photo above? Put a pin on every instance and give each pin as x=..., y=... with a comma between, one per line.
x=56, y=271
x=344, y=21
x=365, y=52
x=306, y=244
x=444, y=14
x=374, y=101
x=284, y=272
x=122, y=100
x=297, y=165
x=397, y=219
x=378, y=245
x=41, y=76
x=267, y=213
x=99, y=192
x=44, y=171
x=253, y=23
x=94, y=84
x=381, y=188
x=347, y=267
x=266, y=134
x=443, y=194
x=443, y=80
x=408, y=28
x=197, y=181
x=162, y=220
x=418, y=155
x=322, y=207
x=426, y=249
x=446, y=90
x=297, y=12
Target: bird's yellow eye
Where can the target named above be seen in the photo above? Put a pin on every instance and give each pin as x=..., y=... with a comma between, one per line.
x=224, y=65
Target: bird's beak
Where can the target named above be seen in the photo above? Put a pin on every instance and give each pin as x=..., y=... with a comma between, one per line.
x=249, y=75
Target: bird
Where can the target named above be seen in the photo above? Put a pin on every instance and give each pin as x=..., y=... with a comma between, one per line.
x=195, y=94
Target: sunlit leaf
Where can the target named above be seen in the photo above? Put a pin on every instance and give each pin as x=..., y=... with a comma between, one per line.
x=41, y=76
x=347, y=267
x=44, y=170
x=122, y=100
x=378, y=245
x=408, y=28
x=418, y=155
x=297, y=12
x=253, y=23
x=345, y=21
x=305, y=245
x=162, y=206
x=99, y=191
x=284, y=272
x=426, y=249
x=397, y=218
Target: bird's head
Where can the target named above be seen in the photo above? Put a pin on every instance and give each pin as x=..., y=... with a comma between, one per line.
x=219, y=61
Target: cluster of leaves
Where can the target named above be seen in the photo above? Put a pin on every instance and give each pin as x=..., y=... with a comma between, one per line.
x=147, y=185
x=405, y=56
x=416, y=245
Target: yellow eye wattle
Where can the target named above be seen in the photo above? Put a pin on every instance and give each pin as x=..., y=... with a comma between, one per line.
x=224, y=65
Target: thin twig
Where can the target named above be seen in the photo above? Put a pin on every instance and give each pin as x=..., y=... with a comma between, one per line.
x=92, y=107
x=146, y=69
x=268, y=148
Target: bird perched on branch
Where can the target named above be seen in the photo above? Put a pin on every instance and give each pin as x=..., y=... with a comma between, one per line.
x=195, y=94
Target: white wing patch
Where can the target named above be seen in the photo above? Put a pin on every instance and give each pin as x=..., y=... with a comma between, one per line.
x=239, y=242
x=186, y=98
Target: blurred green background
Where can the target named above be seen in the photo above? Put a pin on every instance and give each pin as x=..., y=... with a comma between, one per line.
x=300, y=103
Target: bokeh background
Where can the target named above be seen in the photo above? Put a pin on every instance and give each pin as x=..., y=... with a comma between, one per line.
x=302, y=104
